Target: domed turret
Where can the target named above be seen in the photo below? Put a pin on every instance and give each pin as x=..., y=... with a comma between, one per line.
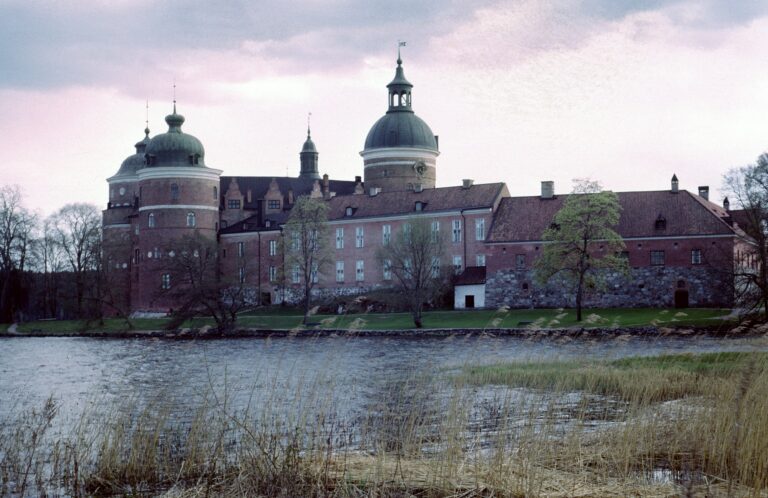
x=174, y=148
x=136, y=161
x=308, y=157
x=400, y=149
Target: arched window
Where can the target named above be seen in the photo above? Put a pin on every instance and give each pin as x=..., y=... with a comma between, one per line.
x=191, y=222
x=151, y=220
x=174, y=191
x=215, y=194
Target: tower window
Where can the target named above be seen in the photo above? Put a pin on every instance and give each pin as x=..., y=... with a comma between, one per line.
x=215, y=193
x=151, y=220
x=191, y=221
x=165, y=281
x=174, y=191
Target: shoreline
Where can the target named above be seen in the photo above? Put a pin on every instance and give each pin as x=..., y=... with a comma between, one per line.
x=210, y=333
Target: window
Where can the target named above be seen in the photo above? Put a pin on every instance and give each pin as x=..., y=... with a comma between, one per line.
x=233, y=204
x=456, y=235
x=359, y=237
x=435, y=267
x=174, y=192
x=520, y=261
x=657, y=258
x=696, y=257
x=294, y=241
x=241, y=249
x=295, y=274
x=272, y=247
x=191, y=221
x=339, y=271
x=360, y=270
x=419, y=206
x=122, y=191
x=457, y=264
x=435, y=231
x=387, y=269
x=156, y=253
x=136, y=256
x=136, y=228
x=215, y=193
x=480, y=259
x=480, y=229
x=407, y=228
x=339, y=238
x=242, y=275
x=661, y=223
x=151, y=220
x=273, y=204
x=623, y=255
x=386, y=234
x=272, y=273
x=165, y=281
x=314, y=273
x=349, y=211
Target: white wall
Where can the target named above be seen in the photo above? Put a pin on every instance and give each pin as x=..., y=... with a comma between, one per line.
x=460, y=291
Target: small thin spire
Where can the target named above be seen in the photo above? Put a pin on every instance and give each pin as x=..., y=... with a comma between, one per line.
x=174, y=95
x=146, y=118
x=309, y=116
x=399, y=44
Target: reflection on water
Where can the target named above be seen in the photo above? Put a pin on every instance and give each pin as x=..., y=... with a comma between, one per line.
x=350, y=374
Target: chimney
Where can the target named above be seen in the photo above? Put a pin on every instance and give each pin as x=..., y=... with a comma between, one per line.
x=418, y=187
x=675, y=184
x=250, y=196
x=704, y=192
x=466, y=183
x=359, y=189
x=326, y=186
x=547, y=190
x=290, y=197
x=373, y=191
x=726, y=204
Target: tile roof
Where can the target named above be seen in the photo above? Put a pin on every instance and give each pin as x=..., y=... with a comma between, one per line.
x=472, y=275
x=403, y=202
x=259, y=185
x=526, y=218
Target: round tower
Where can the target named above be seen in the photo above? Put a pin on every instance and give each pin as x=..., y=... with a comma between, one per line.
x=309, y=159
x=118, y=238
x=400, y=150
x=178, y=198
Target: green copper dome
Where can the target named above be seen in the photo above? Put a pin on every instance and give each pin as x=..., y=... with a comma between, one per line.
x=136, y=161
x=175, y=148
x=400, y=127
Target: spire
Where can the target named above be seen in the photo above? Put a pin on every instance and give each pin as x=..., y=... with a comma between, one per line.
x=309, y=116
x=308, y=156
x=399, y=88
x=146, y=120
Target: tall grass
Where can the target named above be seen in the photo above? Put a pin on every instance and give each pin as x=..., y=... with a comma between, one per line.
x=660, y=426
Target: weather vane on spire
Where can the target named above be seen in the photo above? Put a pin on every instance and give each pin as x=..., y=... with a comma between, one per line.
x=174, y=95
x=146, y=118
x=309, y=116
x=400, y=43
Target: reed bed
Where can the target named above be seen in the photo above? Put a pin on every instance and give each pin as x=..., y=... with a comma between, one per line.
x=682, y=425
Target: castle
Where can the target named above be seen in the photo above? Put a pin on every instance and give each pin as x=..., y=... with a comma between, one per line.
x=679, y=245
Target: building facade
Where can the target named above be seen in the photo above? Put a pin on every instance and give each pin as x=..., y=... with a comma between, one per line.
x=680, y=246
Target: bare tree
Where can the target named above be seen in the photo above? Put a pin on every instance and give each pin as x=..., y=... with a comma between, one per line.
x=16, y=227
x=306, y=246
x=748, y=187
x=413, y=257
x=77, y=229
x=190, y=276
x=49, y=263
x=569, y=252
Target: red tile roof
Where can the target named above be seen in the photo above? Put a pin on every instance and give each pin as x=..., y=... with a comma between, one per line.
x=434, y=200
x=472, y=275
x=526, y=218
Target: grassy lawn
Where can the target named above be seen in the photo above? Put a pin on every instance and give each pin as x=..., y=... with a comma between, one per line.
x=652, y=379
x=290, y=318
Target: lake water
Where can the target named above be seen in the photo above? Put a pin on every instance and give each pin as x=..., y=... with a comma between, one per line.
x=352, y=373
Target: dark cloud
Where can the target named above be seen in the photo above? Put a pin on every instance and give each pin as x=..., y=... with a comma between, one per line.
x=714, y=13
x=104, y=43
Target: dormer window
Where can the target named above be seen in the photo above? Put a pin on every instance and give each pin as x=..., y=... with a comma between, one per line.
x=420, y=206
x=349, y=211
x=661, y=223
x=273, y=204
x=233, y=204
x=268, y=223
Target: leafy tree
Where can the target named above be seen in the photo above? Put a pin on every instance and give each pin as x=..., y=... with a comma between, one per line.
x=413, y=257
x=190, y=276
x=748, y=187
x=570, y=243
x=305, y=242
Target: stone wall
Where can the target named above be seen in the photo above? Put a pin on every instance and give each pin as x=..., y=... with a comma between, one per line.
x=643, y=287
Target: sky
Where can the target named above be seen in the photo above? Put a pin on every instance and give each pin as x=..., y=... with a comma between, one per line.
x=624, y=92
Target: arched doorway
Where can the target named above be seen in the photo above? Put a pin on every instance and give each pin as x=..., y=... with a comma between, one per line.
x=681, y=294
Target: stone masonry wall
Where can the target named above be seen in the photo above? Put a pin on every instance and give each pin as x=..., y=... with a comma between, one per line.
x=643, y=287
